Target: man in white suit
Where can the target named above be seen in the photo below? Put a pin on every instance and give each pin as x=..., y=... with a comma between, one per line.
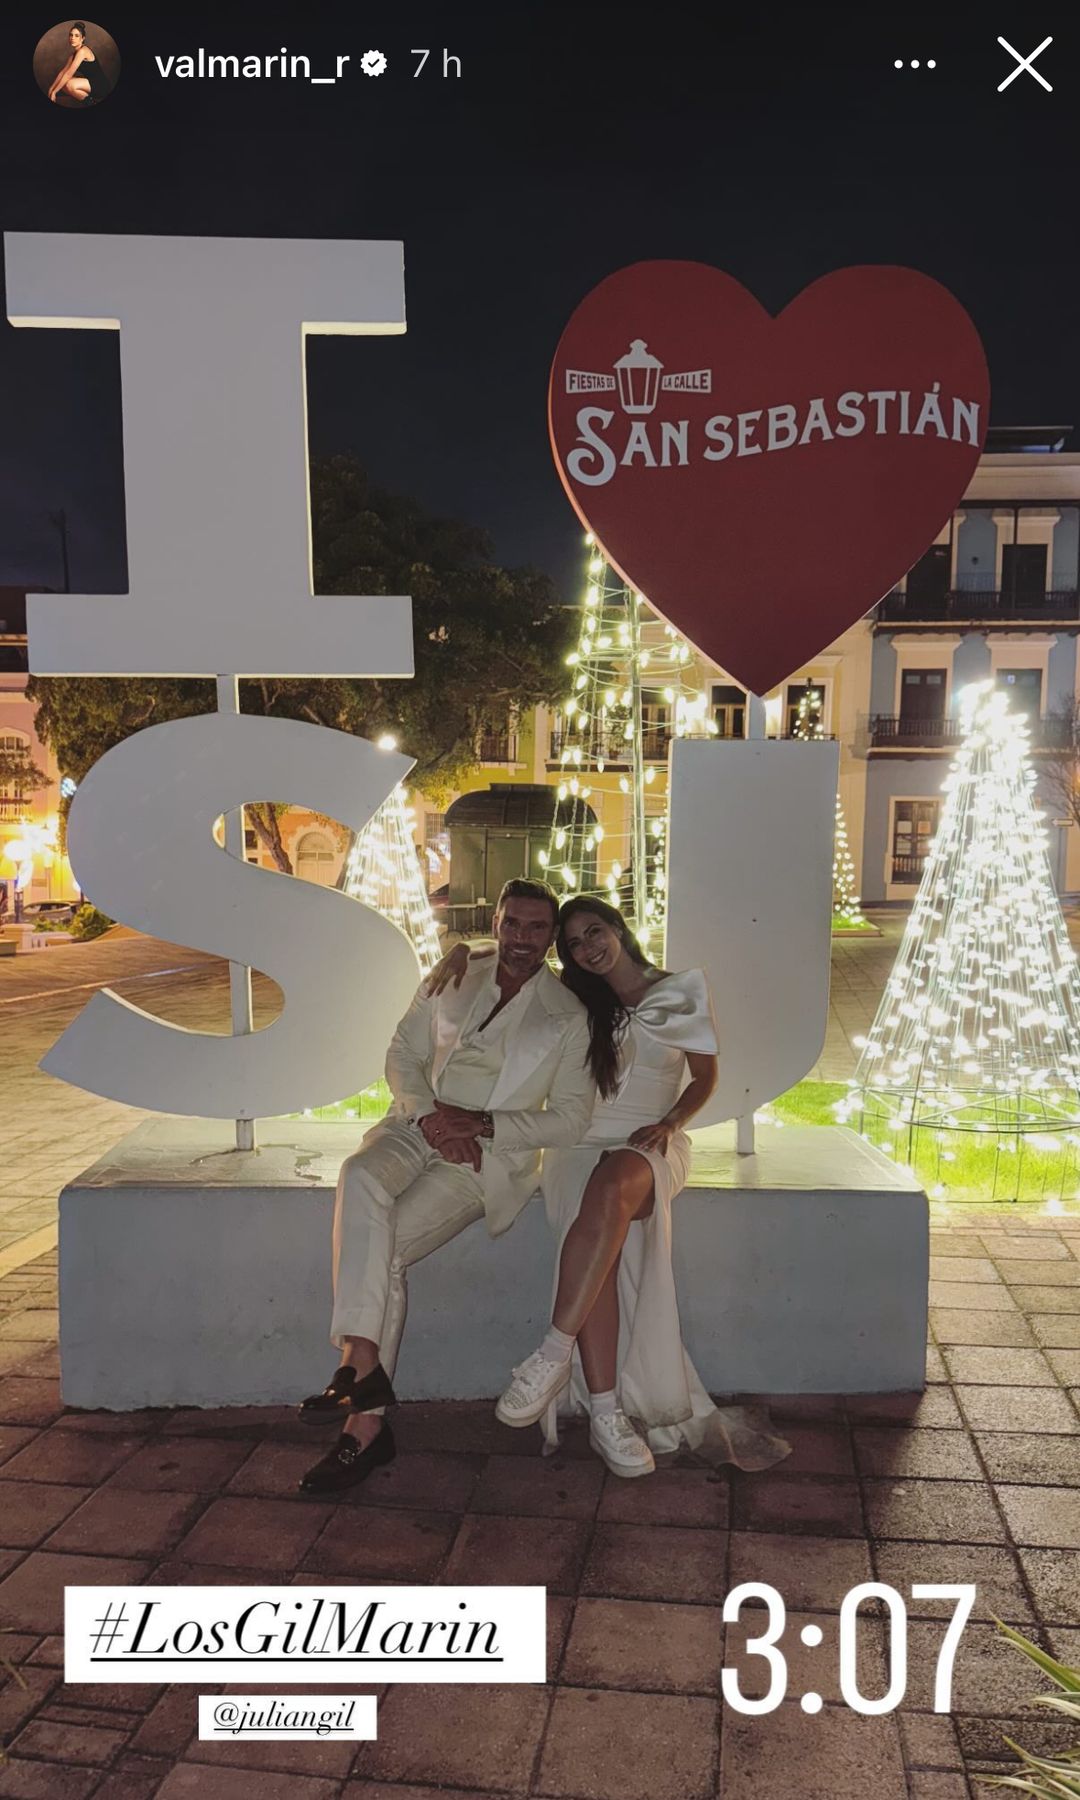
x=484, y=1077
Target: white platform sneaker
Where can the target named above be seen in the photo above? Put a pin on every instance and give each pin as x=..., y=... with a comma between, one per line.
x=623, y=1449
x=534, y=1390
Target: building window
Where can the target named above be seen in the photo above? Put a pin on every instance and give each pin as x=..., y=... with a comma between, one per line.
x=13, y=795
x=914, y=825
x=1024, y=688
x=729, y=710
x=922, y=696
x=656, y=726
x=1023, y=574
x=796, y=694
x=928, y=582
x=498, y=741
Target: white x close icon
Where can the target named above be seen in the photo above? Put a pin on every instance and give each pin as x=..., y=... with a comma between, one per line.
x=1025, y=62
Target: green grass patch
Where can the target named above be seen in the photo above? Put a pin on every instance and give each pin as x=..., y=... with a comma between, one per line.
x=368, y=1107
x=957, y=1167
x=962, y=1167
x=810, y=1103
x=985, y=1168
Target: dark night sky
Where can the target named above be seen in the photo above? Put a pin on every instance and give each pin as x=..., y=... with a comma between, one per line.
x=579, y=139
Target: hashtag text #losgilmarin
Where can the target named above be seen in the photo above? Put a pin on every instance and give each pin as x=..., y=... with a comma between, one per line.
x=321, y=1627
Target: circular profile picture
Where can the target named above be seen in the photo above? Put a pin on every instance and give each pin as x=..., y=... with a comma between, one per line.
x=76, y=64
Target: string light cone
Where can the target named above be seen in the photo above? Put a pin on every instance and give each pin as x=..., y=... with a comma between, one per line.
x=974, y=1055
x=847, y=911
x=808, y=723
x=627, y=663
x=384, y=872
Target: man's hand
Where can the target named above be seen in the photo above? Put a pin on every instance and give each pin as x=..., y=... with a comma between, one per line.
x=450, y=1122
x=462, y=1150
x=454, y=1132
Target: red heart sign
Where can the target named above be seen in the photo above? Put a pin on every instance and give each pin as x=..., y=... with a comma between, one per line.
x=763, y=482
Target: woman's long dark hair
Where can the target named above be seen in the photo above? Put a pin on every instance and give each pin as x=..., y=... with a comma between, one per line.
x=607, y=1014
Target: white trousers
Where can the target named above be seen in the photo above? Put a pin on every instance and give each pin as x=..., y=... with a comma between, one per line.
x=397, y=1200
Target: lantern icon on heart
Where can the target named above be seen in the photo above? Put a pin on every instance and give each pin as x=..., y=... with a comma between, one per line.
x=639, y=380
x=638, y=376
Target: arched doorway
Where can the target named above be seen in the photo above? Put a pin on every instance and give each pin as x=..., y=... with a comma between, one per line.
x=316, y=858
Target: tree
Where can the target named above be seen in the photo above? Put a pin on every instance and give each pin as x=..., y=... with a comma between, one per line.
x=1059, y=767
x=486, y=638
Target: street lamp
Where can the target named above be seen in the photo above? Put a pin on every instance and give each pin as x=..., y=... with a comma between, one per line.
x=38, y=842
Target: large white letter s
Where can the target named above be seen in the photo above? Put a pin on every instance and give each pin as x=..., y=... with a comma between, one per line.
x=140, y=838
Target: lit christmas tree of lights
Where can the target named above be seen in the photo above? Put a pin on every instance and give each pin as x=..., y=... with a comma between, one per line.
x=847, y=910
x=384, y=872
x=621, y=648
x=808, y=725
x=978, y=1031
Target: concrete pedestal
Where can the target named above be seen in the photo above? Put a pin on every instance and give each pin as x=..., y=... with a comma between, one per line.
x=17, y=939
x=193, y=1274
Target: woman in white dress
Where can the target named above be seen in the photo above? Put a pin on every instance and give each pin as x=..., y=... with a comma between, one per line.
x=614, y=1347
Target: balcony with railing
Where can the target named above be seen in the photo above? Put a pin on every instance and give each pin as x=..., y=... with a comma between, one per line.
x=908, y=870
x=497, y=747
x=612, y=748
x=888, y=731
x=986, y=605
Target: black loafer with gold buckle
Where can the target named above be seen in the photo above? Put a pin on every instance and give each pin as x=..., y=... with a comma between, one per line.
x=349, y=1463
x=345, y=1393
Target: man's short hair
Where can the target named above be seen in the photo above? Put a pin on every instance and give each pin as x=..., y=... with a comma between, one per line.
x=522, y=887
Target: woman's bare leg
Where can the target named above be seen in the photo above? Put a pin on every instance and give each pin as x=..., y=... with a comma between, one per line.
x=598, y=1339
x=619, y=1190
x=78, y=87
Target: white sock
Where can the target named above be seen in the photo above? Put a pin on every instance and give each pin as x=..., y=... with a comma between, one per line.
x=557, y=1347
x=602, y=1406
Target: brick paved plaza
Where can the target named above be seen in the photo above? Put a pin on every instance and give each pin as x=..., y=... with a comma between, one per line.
x=977, y=1480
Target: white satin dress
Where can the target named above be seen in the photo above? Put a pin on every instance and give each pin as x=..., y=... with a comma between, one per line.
x=656, y=1384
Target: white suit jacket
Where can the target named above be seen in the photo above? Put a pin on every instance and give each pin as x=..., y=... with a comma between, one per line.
x=543, y=1095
